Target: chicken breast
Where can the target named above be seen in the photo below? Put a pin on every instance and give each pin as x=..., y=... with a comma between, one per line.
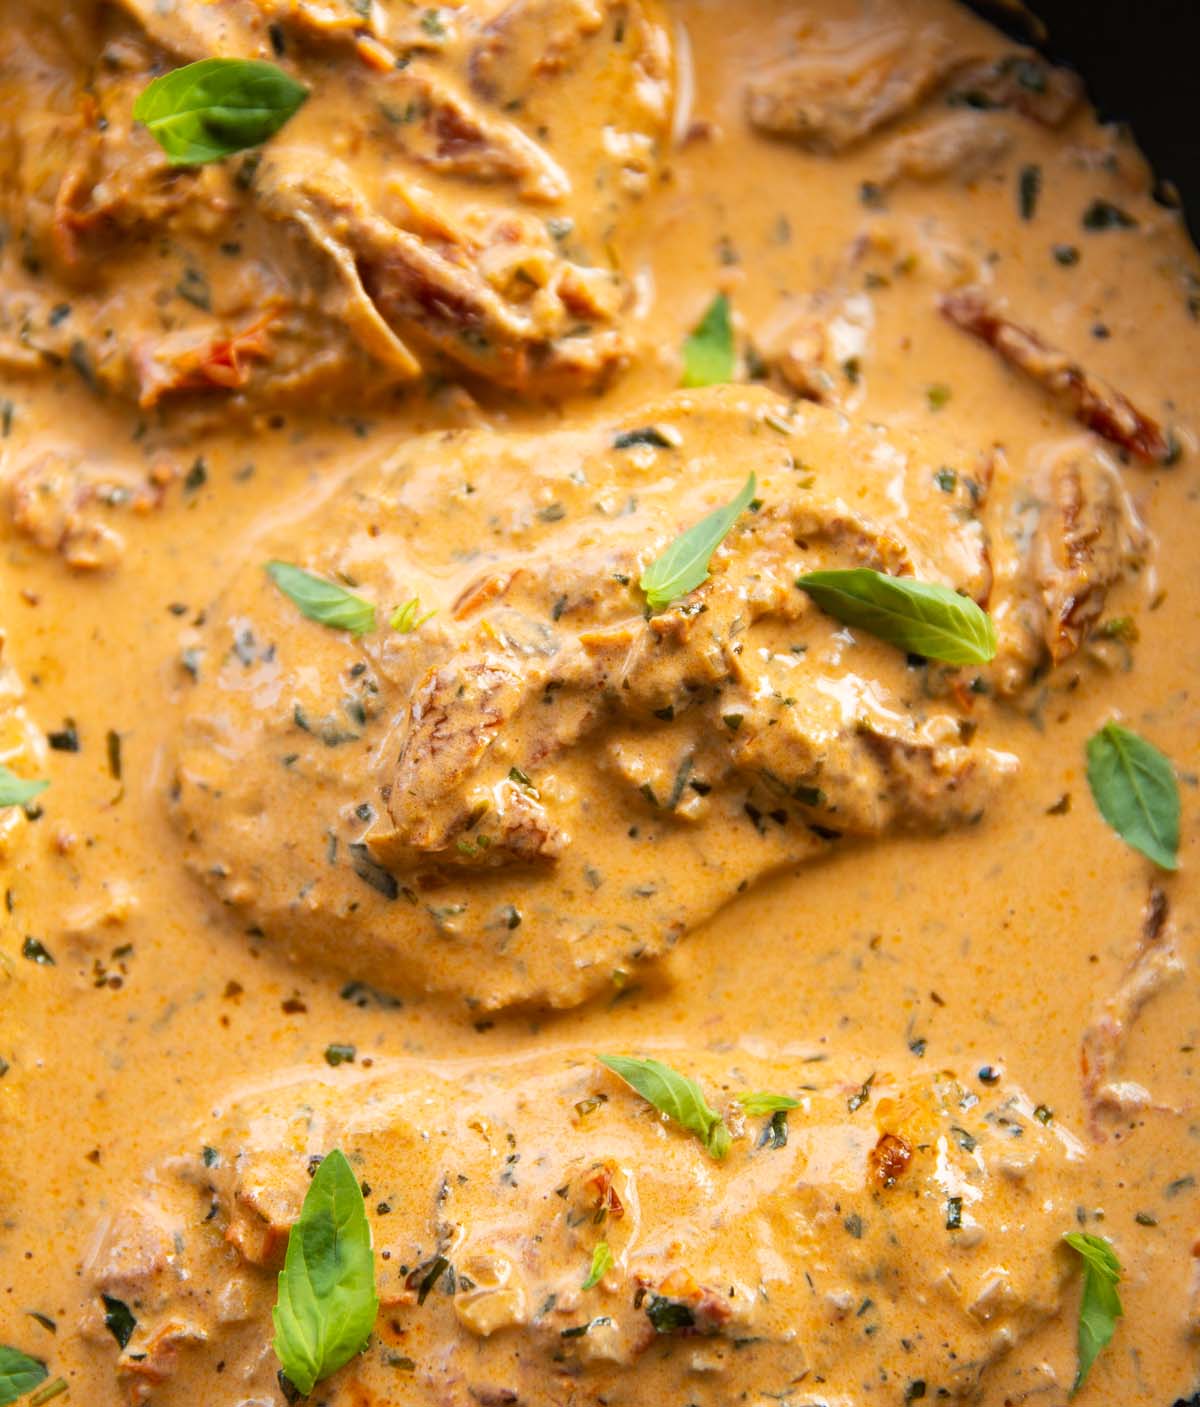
x=413, y=216
x=543, y=783
x=883, y=1220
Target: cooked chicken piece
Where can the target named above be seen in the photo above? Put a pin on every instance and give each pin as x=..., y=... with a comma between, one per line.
x=1062, y=541
x=490, y=1186
x=408, y=807
x=1093, y=402
x=64, y=507
x=965, y=145
x=489, y=292
x=817, y=343
x=78, y=176
x=378, y=32
x=1025, y=82
x=531, y=39
x=1156, y=965
x=447, y=131
x=854, y=78
x=830, y=95
x=509, y=264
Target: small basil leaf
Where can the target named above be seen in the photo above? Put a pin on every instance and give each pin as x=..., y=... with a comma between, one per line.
x=602, y=1262
x=918, y=616
x=764, y=1102
x=211, y=109
x=708, y=358
x=1100, y=1304
x=684, y=565
x=19, y=1374
x=18, y=791
x=676, y=1096
x=1135, y=790
x=321, y=600
x=326, y=1305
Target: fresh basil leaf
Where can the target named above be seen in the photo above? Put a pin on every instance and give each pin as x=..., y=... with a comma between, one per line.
x=919, y=616
x=19, y=1374
x=18, y=791
x=211, y=109
x=602, y=1262
x=326, y=1306
x=321, y=600
x=1135, y=789
x=708, y=358
x=1100, y=1305
x=684, y=565
x=764, y=1102
x=676, y=1096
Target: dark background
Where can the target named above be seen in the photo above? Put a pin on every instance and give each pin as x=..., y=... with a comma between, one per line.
x=1141, y=60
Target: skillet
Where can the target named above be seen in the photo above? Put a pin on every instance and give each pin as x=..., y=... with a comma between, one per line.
x=1137, y=58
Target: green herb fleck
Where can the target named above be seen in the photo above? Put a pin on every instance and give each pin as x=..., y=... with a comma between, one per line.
x=118, y=1320
x=408, y=617
x=1104, y=215
x=1029, y=187
x=669, y=1316
x=602, y=1263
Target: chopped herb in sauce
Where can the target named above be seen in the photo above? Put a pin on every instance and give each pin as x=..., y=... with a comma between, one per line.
x=1029, y=188
x=409, y=616
x=118, y=1320
x=669, y=1316
x=647, y=435
x=1104, y=215
x=602, y=1263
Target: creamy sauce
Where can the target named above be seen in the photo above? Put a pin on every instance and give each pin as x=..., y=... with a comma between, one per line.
x=1019, y=942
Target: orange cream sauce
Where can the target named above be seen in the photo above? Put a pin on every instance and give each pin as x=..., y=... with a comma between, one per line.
x=996, y=944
